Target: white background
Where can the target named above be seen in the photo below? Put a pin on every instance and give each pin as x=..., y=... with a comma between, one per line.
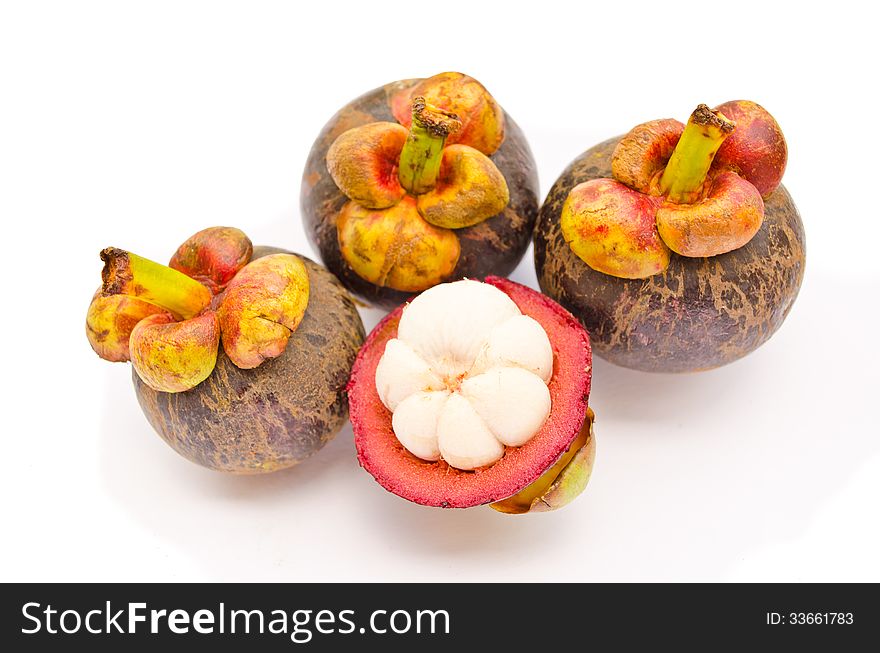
x=136, y=124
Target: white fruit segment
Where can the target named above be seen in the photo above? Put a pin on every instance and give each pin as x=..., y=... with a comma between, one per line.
x=448, y=324
x=415, y=423
x=512, y=402
x=466, y=376
x=465, y=440
x=402, y=372
x=517, y=342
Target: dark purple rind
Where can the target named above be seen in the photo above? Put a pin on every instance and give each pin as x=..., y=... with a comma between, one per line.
x=699, y=314
x=495, y=246
x=278, y=414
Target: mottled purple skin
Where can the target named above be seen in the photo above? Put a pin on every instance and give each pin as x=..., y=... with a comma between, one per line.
x=278, y=414
x=495, y=246
x=699, y=314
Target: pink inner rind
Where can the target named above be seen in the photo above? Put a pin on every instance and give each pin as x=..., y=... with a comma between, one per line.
x=437, y=484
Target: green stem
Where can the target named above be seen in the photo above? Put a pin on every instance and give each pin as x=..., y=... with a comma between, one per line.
x=129, y=274
x=682, y=180
x=422, y=152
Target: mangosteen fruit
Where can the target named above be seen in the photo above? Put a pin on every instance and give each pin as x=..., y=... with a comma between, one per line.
x=240, y=355
x=476, y=393
x=676, y=245
x=416, y=183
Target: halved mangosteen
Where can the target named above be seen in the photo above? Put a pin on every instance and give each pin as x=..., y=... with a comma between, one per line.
x=476, y=393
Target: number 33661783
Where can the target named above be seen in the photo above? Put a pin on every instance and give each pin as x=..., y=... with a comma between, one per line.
x=802, y=618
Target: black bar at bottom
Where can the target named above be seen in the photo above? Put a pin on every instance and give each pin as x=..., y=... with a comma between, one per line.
x=434, y=616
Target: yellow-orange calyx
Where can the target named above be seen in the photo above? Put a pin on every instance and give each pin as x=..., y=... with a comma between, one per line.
x=170, y=325
x=174, y=356
x=729, y=215
x=396, y=247
x=669, y=192
x=213, y=256
x=641, y=155
x=612, y=228
x=481, y=116
x=262, y=306
x=469, y=189
x=409, y=190
x=363, y=163
x=110, y=320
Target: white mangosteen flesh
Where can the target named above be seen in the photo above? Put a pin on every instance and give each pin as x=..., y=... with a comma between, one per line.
x=466, y=376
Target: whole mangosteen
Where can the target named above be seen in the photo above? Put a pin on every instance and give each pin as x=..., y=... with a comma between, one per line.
x=675, y=245
x=416, y=183
x=240, y=354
